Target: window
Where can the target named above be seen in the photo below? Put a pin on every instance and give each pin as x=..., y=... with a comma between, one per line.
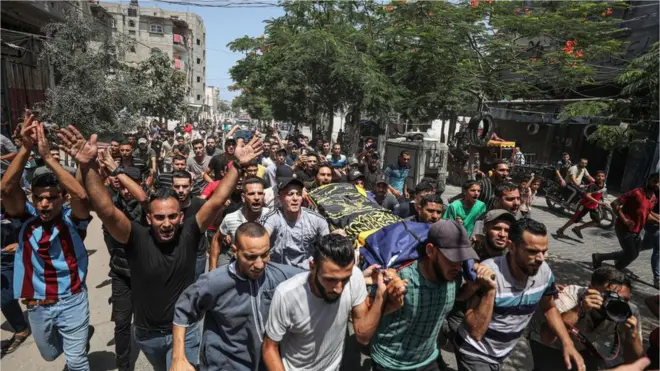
x=199, y=42
x=132, y=12
x=132, y=49
x=199, y=79
x=131, y=32
x=199, y=61
x=156, y=28
x=198, y=97
x=131, y=23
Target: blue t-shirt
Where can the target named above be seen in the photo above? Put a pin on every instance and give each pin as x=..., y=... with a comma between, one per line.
x=340, y=162
x=397, y=176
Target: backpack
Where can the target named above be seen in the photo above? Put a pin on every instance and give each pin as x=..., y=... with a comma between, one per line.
x=394, y=245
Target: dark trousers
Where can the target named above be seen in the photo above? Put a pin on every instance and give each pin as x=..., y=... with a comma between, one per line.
x=122, y=312
x=630, y=243
x=10, y=307
x=433, y=366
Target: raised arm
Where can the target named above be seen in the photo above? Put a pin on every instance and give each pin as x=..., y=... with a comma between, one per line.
x=131, y=186
x=79, y=199
x=13, y=196
x=244, y=154
x=85, y=153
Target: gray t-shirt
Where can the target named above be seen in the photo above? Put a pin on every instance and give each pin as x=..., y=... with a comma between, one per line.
x=233, y=220
x=197, y=168
x=310, y=330
x=292, y=243
x=6, y=146
x=165, y=152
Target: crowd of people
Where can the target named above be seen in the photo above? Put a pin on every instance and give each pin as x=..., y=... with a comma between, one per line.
x=220, y=259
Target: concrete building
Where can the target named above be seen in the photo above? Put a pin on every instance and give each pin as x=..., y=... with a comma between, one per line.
x=211, y=99
x=25, y=76
x=179, y=35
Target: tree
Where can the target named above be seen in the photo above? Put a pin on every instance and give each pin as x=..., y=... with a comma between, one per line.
x=223, y=106
x=94, y=90
x=165, y=88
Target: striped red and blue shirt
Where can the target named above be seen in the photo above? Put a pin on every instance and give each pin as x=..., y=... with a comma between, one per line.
x=51, y=260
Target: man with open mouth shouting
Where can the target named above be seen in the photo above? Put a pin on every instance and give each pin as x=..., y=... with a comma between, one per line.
x=161, y=255
x=50, y=262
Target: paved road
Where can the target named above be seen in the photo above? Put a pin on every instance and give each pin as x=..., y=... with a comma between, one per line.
x=569, y=259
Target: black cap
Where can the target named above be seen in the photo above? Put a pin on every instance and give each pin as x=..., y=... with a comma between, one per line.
x=230, y=140
x=354, y=175
x=381, y=178
x=133, y=173
x=283, y=171
x=375, y=156
x=282, y=150
x=498, y=214
x=452, y=239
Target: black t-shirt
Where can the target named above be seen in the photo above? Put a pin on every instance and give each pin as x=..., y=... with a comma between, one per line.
x=189, y=213
x=160, y=272
x=218, y=164
x=157, y=145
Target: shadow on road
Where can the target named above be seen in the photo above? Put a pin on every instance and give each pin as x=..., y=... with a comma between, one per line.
x=104, y=283
x=7, y=327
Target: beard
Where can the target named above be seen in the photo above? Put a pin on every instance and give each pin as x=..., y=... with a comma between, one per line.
x=530, y=270
x=324, y=294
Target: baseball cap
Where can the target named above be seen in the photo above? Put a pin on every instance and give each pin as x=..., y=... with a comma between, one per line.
x=142, y=141
x=133, y=173
x=282, y=150
x=230, y=140
x=285, y=177
x=381, y=179
x=353, y=175
x=452, y=239
x=496, y=214
x=375, y=156
x=353, y=161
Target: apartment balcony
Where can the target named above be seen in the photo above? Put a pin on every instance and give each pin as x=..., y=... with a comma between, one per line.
x=179, y=42
x=179, y=65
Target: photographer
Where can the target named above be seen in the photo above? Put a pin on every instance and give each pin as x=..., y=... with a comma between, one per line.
x=609, y=327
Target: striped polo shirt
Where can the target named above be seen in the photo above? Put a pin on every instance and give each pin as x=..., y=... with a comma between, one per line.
x=514, y=306
x=50, y=261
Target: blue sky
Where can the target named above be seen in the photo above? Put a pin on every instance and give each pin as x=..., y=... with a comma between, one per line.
x=222, y=26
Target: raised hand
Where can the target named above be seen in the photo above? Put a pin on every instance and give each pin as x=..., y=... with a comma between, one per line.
x=107, y=161
x=42, y=142
x=73, y=143
x=29, y=130
x=250, y=151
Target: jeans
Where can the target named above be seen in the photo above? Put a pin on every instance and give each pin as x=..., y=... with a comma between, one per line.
x=122, y=313
x=157, y=346
x=652, y=241
x=62, y=328
x=630, y=244
x=10, y=307
x=200, y=265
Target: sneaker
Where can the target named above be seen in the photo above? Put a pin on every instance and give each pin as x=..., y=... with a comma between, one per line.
x=90, y=333
x=577, y=232
x=595, y=261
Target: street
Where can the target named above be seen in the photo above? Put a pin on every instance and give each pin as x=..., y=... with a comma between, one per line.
x=570, y=259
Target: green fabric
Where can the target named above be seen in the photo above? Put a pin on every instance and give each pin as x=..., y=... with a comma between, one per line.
x=407, y=339
x=456, y=210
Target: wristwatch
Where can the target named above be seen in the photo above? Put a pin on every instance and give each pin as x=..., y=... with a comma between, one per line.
x=118, y=171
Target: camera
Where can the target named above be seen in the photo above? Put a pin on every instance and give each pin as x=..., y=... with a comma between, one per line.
x=615, y=308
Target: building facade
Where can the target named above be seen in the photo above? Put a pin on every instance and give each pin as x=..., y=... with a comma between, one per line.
x=179, y=35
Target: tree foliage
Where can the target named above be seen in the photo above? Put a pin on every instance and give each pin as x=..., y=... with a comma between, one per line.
x=93, y=90
x=165, y=87
x=423, y=59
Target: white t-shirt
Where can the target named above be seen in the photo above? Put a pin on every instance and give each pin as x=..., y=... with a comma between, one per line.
x=578, y=174
x=310, y=330
x=233, y=220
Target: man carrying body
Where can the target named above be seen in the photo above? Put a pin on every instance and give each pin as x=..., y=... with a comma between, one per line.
x=50, y=262
x=251, y=211
x=407, y=338
x=323, y=176
x=409, y=209
x=582, y=308
x=293, y=229
x=430, y=210
x=311, y=336
x=198, y=164
x=381, y=196
x=632, y=209
x=162, y=257
x=233, y=332
x=497, y=316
